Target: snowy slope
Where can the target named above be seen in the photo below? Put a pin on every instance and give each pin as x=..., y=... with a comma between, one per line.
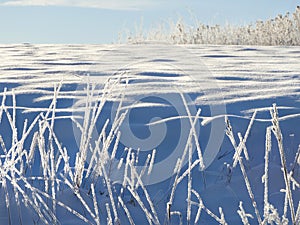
x=116, y=103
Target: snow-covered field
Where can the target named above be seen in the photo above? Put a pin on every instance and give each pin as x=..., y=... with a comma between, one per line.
x=149, y=134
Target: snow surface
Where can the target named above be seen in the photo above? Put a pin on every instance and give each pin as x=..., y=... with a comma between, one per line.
x=152, y=81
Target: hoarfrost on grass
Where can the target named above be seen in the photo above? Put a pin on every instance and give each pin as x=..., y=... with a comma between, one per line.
x=41, y=174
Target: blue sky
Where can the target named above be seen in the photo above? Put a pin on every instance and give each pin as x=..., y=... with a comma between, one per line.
x=100, y=21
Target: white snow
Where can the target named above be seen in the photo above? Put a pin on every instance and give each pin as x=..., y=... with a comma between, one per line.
x=135, y=134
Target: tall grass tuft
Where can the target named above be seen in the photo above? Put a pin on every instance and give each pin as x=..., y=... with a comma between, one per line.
x=281, y=30
x=41, y=192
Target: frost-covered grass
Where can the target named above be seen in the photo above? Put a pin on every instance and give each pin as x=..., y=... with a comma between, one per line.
x=38, y=177
x=282, y=30
x=49, y=177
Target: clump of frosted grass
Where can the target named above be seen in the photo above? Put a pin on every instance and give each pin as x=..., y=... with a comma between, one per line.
x=270, y=215
x=40, y=192
x=282, y=30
